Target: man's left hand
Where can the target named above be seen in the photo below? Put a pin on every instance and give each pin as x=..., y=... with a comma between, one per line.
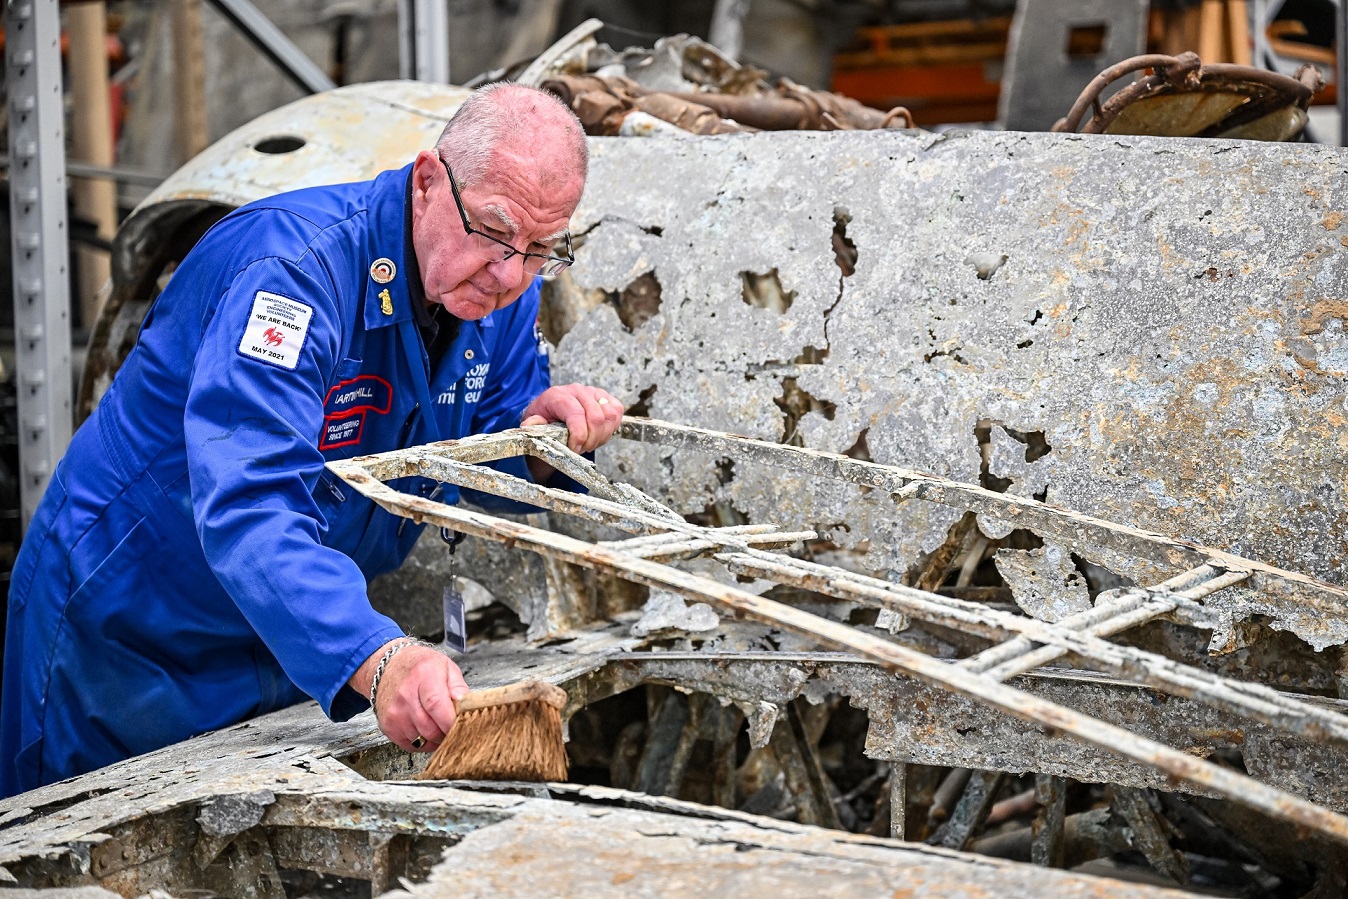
x=590, y=414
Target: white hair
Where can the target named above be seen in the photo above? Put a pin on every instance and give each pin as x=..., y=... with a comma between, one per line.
x=503, y=112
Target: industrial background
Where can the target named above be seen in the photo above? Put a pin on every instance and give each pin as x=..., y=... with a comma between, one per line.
x=1029, y=319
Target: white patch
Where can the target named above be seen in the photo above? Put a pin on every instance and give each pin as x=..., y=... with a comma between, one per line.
x=276, y=330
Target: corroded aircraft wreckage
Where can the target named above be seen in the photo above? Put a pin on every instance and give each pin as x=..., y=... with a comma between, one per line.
x=1027, y=576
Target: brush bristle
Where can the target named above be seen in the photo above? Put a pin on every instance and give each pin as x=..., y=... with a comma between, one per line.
x=516, y=741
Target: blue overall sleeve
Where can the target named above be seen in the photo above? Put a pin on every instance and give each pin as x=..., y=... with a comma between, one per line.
x=253, y=413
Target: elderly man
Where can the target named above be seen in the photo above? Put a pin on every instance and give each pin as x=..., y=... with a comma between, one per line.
x=192, y=564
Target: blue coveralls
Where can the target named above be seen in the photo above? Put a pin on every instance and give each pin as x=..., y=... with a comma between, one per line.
x=192, y=564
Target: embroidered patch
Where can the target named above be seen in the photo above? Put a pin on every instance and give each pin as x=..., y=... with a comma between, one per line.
x=276, y=330
x=383, y=270
x=363, y=393
x=341, y=431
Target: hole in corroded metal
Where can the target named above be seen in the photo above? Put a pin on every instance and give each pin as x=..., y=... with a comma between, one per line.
x=643, y=404
x=985, y=265
x=844, y=248
x=1036, y=444
x=279, y=144
x=638, y=302
x=796, y=402
x=385, y=762
x=765, y=291
x=859, y=450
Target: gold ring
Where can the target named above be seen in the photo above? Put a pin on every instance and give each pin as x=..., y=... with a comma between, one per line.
x=603, y=401
x=419, y=742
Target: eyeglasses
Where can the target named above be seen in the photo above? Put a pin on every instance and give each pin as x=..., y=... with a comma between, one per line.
x=488, y=248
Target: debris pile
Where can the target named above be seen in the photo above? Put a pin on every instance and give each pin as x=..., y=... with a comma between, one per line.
x=686, y=84
x=746, y=720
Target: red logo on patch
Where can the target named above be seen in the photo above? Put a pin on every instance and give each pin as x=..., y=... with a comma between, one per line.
x=274, y=337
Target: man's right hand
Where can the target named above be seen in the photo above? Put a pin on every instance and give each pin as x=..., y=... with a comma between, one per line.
x=416, y=696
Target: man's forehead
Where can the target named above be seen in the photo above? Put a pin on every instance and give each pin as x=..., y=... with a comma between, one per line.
x=519, y=185
x=544, y=168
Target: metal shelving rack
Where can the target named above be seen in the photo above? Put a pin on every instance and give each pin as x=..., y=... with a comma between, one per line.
x=40, y=241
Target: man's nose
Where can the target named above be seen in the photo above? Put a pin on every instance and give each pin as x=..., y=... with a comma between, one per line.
x=509, y=273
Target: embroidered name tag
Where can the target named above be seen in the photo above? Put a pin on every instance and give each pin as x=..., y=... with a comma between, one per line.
x=276, y=330
x=363, y=393
x=341, y=431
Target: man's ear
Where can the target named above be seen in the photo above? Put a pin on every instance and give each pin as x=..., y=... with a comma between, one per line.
x=424, y=172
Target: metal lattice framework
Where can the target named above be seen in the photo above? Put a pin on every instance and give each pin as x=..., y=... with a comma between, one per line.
x=1023, y=643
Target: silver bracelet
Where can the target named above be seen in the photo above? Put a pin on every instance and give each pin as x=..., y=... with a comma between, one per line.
x=383, y=662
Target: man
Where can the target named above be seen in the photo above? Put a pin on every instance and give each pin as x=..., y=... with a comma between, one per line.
x=192, y=564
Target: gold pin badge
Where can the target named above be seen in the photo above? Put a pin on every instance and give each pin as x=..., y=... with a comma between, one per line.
x=383, y=270
x=385, y=302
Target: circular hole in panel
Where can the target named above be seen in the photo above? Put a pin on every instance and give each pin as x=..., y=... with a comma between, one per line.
x=281, y=143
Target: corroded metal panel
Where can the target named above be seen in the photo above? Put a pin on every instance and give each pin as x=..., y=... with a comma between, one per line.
x=228, y=811
x=347, y=134
x=567, y=850
x=1167, y=327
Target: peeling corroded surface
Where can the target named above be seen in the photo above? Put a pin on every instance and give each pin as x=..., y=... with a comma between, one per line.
x=225, y=811
x=1044, y=581
x=1169, y=319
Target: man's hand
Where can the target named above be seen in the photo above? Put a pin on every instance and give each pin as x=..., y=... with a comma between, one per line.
x=417, y=692
x=590, y=414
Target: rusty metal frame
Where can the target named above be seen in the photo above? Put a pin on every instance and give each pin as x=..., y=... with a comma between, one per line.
x=662, y=535
x=1183, y=72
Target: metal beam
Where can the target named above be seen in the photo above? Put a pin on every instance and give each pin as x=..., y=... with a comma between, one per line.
x=727, y=26
x=40, y=242
x=423, y=40
x=273, y=43
x=1341, y=67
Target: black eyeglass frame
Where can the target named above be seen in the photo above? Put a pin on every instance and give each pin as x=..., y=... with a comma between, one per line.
x=560, y=262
